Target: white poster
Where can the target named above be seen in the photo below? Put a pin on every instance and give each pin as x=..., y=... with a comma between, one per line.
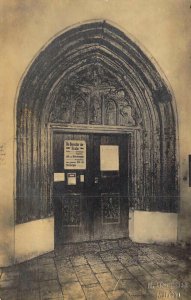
x=109, y=158
x=74, y=155
x=59, y=177
x=71, y=178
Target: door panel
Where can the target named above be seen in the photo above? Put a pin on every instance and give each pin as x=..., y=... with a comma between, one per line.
x=91, y=200
x=72, y=209
x=111, y=202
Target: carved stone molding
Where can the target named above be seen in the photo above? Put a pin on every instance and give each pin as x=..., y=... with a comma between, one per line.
x=96, y=98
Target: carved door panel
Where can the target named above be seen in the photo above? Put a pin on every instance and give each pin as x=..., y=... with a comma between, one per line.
x=91, y=174
x=111, y=187
x=71, y=156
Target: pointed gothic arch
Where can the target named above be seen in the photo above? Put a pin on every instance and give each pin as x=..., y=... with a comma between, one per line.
x=75, y=77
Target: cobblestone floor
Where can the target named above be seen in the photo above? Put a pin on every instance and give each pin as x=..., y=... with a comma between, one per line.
x=117, y=269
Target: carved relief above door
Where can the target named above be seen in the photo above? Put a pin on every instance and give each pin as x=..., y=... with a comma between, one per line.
x=96, y=98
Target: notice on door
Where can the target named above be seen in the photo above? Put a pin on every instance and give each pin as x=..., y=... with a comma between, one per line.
x=109, y=158
x=71, y=178
x=59, y=177
x=74, y=155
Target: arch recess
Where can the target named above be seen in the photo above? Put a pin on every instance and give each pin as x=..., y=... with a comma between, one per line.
x=95, y=75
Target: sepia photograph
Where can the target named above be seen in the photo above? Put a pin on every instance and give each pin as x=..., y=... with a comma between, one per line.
x=95, y=149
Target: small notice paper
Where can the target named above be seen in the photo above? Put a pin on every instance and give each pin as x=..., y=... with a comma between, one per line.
x=109, y=158
x=74, y=155
x=82, y=178
x=59, y=177
x=71, y=178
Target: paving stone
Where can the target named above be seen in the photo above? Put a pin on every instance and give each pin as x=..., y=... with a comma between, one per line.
x=8, y=294
x=78, y=260
x=126, y=259
x=143, y=297
x=88, y=247
x=44, y=276
x=118, y=295
x=67, y=275
x=49, y=254
x=47, y=268
x=164, y=278
x=108, y=245
x=147, y=249
x=184, y=277
x=87, y=279
x=176, y=269
x=85, y=275
x=108, y=256
x=47, y=273
x=122, y=274
x=13, y=268
x=168, y=257
x=10, y=276
x=137, y=270
x=9, y=284
x=97, y=273
x=73, y=291
x=135, y=258
x=132, y=287
x=184, y=294
x=125, y=243
x=117, y=251
x=28, y=294
x=155, y=257
x=63, y=263
x=142, y=258
x=46, y=261
x=145, y=280
x=114, y=244
x=28, y=285
x=30, y=264
x=29, y=275
x=93, y=259
x=66, y=251
x=153, y=268
x=114, y=265
x=94, y=292
x=83, y=270
x=134, y=250
x=165, y=293
x=107, y=281
x=50, y=289
x=64, y=259
x=99, y=268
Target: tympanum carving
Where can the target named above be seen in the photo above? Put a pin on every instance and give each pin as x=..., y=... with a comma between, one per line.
x=99, y=99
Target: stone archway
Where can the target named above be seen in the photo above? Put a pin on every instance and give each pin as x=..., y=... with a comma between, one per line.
x=94, y=75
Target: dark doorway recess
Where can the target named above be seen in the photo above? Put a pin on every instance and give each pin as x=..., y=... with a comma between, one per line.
x=91, y=202
x=93, y=78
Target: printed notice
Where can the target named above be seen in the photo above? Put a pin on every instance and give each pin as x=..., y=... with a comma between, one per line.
x=109, y=158
x=59, y=177
x=74, y=155
x=71, y=178
x=82, y=178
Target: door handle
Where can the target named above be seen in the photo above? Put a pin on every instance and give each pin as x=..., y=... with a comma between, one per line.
x=96, y=180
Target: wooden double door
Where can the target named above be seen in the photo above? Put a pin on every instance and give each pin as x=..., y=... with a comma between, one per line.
x=91, y=186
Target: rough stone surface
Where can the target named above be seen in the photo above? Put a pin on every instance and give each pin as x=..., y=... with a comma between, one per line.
x=116, y=269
